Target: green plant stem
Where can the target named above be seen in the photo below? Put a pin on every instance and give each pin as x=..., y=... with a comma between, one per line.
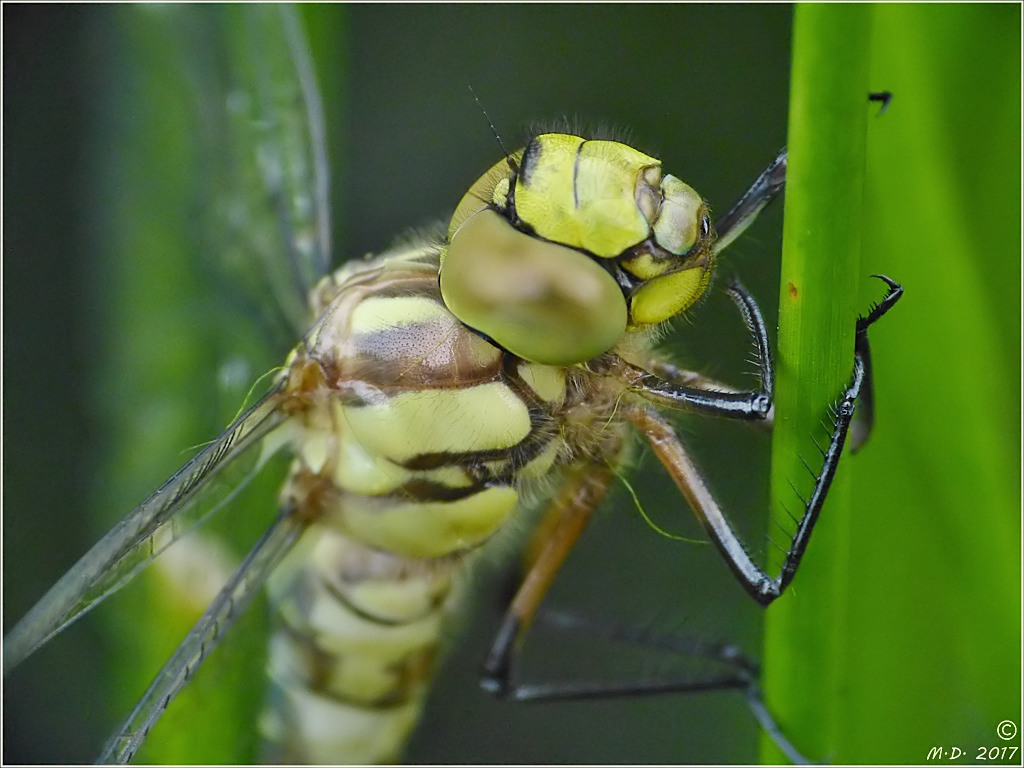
x=818, y=308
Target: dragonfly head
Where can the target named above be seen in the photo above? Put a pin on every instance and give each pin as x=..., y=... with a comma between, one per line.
x=559, y=250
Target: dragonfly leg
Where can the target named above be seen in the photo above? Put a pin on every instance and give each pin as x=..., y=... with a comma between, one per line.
x=571, y=511
x=673, y=388
x=765, y=188
x=739, y=672
x=684, y=377
x=663, y=440
x=864, y=420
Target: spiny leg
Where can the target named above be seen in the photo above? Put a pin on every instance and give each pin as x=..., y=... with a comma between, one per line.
x=684, y=377
x=766, y=187
x=664, y=388
x=662, y=439
x=572, y=509
x=668, y=385
x=864, y=422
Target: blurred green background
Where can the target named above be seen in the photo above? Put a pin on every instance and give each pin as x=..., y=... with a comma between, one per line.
x=125, y=342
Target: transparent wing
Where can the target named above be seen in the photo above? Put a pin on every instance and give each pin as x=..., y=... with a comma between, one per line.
x=258, y=129
x=273, y=160
x=176, y=507
x=236, y=82
x=213, y=625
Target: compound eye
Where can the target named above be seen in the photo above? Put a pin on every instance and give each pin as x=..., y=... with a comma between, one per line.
x=705, y=226
x=539, y=300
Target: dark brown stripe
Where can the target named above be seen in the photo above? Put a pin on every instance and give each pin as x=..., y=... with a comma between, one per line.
x=322, y=664
x=432, y=492
x=429, y=490
x=362, y=613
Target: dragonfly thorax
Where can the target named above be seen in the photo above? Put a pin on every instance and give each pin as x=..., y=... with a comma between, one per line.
x=430, y=432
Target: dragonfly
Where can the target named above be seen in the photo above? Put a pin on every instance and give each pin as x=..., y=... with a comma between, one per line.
x=476, y=332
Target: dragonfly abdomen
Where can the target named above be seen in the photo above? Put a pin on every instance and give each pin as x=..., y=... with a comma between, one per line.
x=356, y=633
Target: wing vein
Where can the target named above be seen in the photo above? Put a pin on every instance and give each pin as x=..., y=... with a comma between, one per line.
x=141, y=536
x=207, y=633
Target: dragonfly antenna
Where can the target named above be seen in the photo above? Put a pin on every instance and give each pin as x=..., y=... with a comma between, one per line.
x=508, y=157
